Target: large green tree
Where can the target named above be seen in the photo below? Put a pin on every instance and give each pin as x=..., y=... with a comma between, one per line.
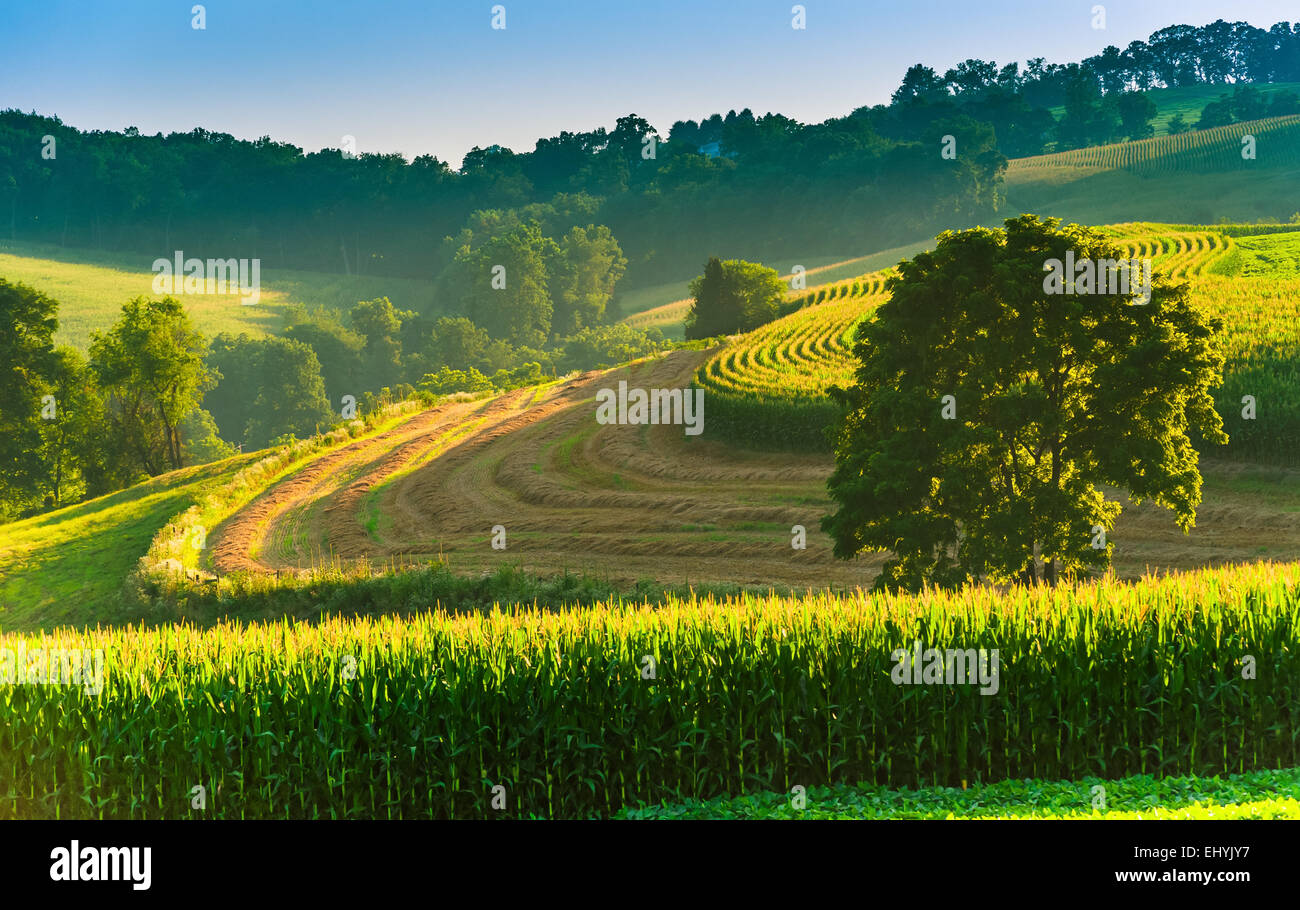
x=72, y=430
x=733, y=296
x=988, y=410
x=457, y=343
x=27, y=326
x=268, y=387
x=150, y=366
x=584, y=273
x=236, y=364
x=380, y=324
x=338, y=348
x=502, y=284
x=290, y=393
x=1135, y=112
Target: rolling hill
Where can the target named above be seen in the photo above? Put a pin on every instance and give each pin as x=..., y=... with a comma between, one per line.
x=92, y=286
x=1197, y=177
x=448, y=695
x=636, y=503
x=68, y=566
x=1192, y=178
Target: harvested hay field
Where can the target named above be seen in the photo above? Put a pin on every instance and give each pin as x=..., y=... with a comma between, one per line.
x=637, y=502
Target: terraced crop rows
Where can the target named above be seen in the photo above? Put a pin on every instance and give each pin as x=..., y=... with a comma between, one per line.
x=676, y=311
x=1180, y=255
x=799, y=355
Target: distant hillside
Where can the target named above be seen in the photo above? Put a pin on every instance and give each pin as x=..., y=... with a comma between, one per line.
x=92, y=286
x=1217, y=149
x=1165, y=178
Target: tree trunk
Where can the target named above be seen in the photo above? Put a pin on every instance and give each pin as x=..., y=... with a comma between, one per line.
x=58, y=476
x=173, y=444
x=1029, y=575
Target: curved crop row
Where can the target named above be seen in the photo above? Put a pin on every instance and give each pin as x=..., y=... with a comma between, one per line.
x=770, y=385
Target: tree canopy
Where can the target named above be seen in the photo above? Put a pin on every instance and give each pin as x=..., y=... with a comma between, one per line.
x=987, y=411
x=27, y=326
x=733, y=296
x=150, y=365
x=379, y=213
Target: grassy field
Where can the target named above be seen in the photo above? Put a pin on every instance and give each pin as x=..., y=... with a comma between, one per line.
x=580, y=713
x=91, y=288
x=1256, y=795
x=1267, y=256
x=68, y=566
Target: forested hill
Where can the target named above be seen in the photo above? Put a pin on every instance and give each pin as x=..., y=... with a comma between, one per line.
x=379, y=214
x=711, y=185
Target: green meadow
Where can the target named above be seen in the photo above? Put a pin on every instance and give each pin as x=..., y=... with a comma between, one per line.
x=92, y=286
x=68, y=566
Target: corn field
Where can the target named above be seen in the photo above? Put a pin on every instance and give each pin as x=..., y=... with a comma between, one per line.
x=769, y=387
x=1213, y=149
x=425, y=716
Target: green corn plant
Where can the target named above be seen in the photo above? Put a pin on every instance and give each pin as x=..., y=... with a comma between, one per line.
x=423, y=717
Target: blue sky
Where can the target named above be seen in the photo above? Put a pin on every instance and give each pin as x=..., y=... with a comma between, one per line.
x=434, y=77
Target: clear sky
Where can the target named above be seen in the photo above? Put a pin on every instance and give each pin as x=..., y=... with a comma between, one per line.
x=434, y=77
